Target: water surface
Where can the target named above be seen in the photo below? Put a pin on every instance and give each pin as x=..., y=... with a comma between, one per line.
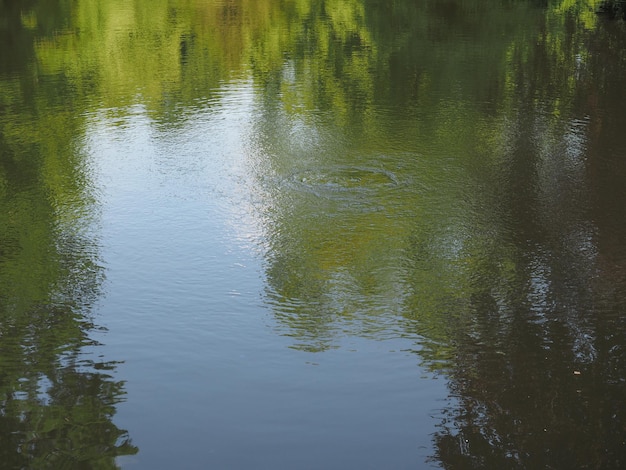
x=312, y=234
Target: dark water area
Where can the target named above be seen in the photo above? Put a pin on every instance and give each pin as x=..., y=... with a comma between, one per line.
x=312, y=234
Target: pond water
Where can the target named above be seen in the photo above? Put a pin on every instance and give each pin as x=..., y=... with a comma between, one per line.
x=310, y=234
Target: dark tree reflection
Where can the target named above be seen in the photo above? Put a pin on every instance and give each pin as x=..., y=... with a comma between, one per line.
x=538, y=371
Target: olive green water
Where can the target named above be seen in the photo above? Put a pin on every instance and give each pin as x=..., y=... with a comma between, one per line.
x=312, y=234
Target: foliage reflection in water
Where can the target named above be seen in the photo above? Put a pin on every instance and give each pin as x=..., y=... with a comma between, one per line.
x=487, y=238
x=443, y=177
x=58, y=397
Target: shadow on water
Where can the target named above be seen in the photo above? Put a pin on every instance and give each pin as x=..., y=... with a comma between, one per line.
x=58, y=396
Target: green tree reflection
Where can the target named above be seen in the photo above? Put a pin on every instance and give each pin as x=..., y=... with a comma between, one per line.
x=56, y=404
x=366, y=140
x=479, y=208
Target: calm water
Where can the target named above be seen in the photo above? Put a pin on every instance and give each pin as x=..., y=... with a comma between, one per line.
x=312, y=234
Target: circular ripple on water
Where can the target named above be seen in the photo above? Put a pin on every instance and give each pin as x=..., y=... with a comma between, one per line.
x=344, y=181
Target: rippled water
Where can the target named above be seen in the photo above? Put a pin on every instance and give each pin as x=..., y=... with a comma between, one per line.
x=312, y=234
